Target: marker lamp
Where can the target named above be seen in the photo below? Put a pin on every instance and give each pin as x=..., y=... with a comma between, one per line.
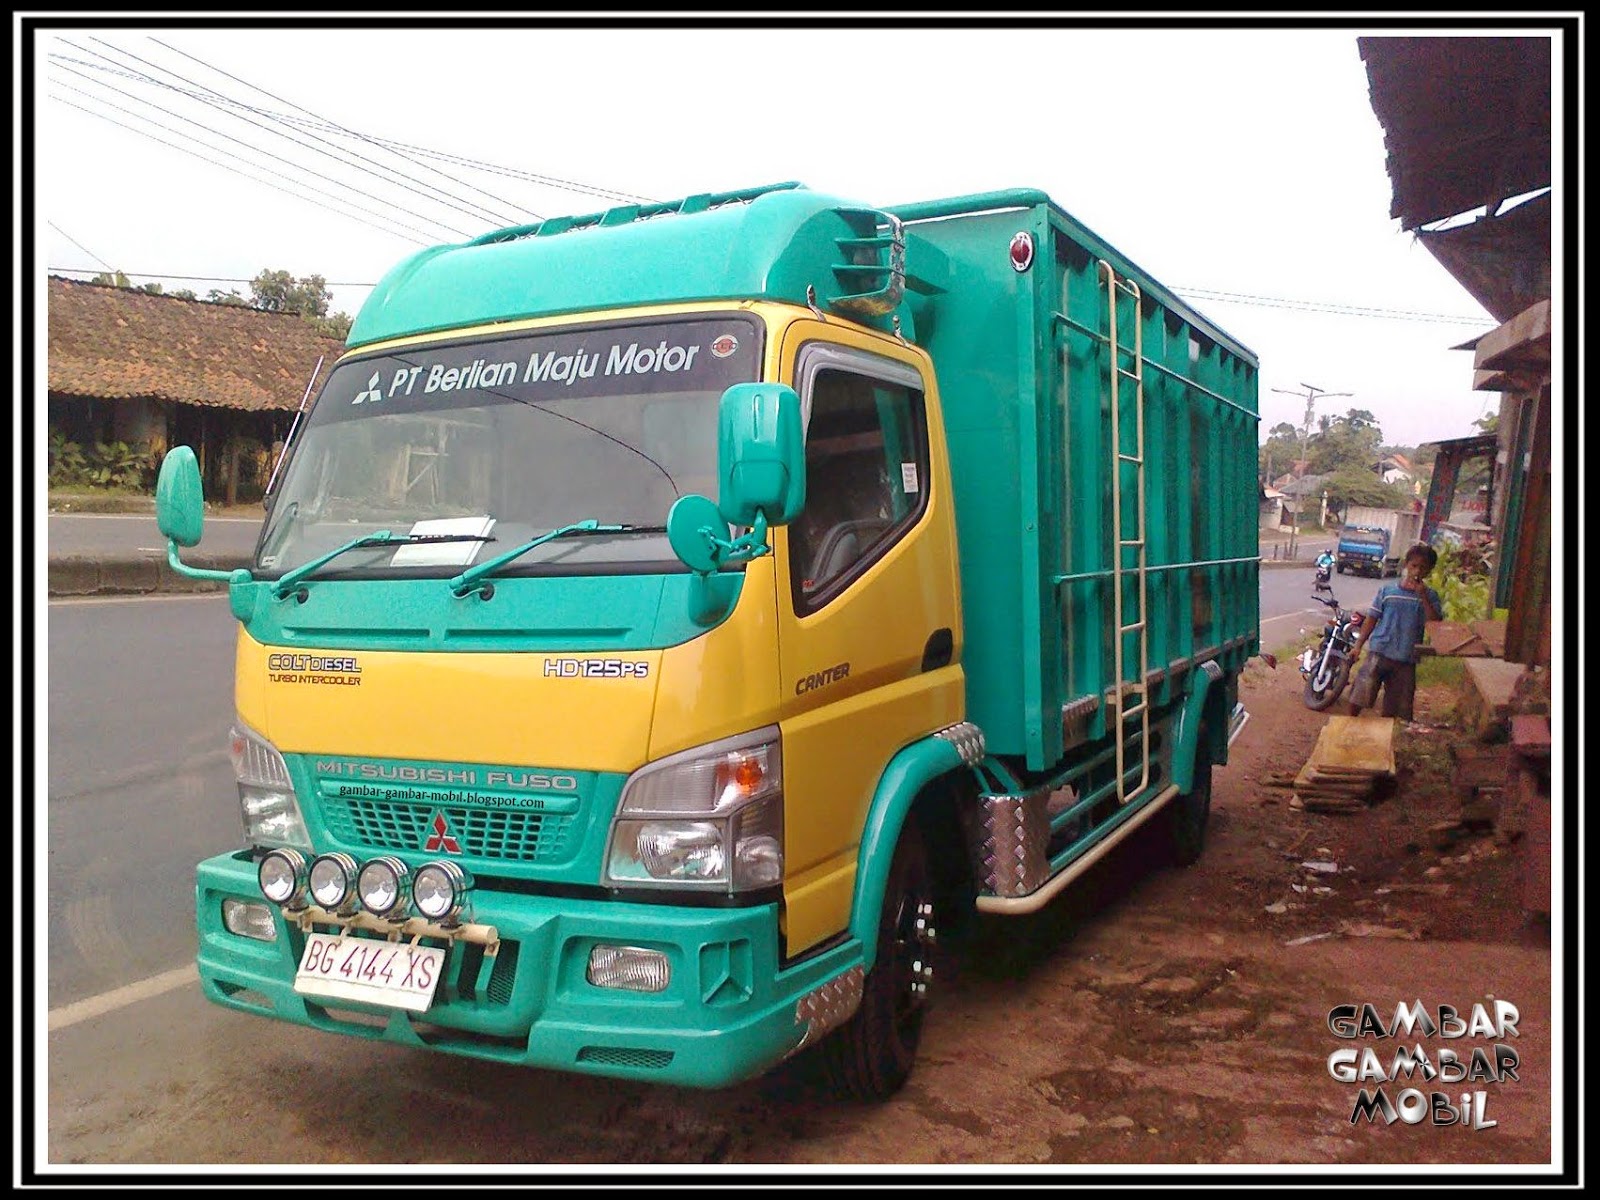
x=266, y=796
x=710, y=818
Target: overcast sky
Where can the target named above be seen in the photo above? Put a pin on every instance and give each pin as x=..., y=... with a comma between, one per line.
x=1222, y=161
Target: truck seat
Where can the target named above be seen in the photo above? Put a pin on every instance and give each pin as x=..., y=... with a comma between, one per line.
x=842, y=545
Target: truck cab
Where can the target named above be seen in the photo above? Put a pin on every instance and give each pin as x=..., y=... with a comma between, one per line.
x=1362, y=550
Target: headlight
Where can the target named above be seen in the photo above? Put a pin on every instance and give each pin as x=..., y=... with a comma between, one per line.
x=266, y=797
x=440, y=892
x=710, y=818
x=282, y=875
x=333, y=882
x=384, y=887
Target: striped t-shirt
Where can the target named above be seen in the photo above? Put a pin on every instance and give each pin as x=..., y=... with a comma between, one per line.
x=1401, y=621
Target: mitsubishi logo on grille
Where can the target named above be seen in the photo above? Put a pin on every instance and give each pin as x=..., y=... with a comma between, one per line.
x=440, y=838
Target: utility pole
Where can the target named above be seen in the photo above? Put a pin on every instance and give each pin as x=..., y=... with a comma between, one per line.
x=1311, y=395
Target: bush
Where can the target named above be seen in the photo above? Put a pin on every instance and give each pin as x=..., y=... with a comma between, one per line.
x=1462, y=579
x=67, y=462
x=103, y=465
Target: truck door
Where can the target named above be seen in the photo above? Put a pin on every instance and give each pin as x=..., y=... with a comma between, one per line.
x=868, y=606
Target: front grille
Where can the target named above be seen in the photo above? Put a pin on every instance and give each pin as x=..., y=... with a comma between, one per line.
x=480, y=833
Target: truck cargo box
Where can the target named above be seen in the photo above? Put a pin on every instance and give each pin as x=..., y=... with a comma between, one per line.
x=1103, y=444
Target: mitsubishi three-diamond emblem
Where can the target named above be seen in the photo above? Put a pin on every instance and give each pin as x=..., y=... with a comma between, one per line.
x=372, y=391
x=440, y=839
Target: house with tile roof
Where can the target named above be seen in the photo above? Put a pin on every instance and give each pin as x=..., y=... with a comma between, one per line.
x=158, y=371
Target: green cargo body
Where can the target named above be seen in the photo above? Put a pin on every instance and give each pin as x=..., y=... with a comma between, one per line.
x=1026, y=372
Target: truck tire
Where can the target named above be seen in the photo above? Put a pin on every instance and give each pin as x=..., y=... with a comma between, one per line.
x=1187, y=814
x=871, y=1055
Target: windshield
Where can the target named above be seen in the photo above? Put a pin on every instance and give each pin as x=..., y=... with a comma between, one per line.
x=1363, y=537
x=485, y=444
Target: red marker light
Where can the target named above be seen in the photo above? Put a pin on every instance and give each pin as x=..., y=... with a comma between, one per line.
x=1022, y=252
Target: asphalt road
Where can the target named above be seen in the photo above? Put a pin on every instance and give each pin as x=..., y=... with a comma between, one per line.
x=1287, y=606
x=140, y=788
x=104, y=534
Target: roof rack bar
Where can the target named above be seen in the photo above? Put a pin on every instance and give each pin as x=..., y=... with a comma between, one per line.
x=623, y=214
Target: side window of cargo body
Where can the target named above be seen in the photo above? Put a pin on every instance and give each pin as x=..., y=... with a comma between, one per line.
x=866, y=477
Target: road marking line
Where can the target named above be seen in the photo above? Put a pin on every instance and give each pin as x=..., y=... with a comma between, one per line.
x=133, y=993
x=1299, y=613
x=149, y=516
x=56, y=601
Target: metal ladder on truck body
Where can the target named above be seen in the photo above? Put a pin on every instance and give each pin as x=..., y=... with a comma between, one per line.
x=1124, y=688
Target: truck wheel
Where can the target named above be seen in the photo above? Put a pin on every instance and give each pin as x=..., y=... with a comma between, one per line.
x=870, y=1057
x=1187, y=815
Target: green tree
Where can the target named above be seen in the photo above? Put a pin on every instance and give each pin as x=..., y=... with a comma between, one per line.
x=1278, y=453
x=1351, y=440
x=112, y=279
x=279, y=291
x=1357, y=485
x=218, y=296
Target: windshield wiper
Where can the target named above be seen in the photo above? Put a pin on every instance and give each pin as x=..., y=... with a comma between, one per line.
x=289, y=580
x=472, y=579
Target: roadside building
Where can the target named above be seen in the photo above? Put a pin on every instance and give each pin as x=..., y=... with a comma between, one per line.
x=1467, y=127
x=156, y=371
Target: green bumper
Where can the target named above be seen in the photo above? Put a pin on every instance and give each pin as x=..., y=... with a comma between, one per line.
x=730, y=1011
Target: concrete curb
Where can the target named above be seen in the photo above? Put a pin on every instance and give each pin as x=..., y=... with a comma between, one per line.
x=130, y=575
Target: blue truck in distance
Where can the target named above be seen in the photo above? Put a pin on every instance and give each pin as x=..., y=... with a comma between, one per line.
x=1374, y=540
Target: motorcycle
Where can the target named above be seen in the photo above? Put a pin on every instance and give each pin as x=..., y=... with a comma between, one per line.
x=1324, y=574
x=1327, y=667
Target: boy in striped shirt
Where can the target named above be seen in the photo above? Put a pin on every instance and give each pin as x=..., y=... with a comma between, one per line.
x=1396, y=623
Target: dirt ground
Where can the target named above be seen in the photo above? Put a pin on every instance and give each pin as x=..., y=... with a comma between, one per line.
x=1164, y=1016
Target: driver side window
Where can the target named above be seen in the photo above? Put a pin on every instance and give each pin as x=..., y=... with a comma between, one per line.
x=866, y=480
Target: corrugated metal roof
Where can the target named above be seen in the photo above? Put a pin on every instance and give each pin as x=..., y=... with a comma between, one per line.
x=1466, y=120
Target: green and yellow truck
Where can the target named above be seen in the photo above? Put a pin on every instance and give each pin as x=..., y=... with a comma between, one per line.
x=665, y=617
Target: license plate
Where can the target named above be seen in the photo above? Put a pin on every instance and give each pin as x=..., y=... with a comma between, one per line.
x=394, y=974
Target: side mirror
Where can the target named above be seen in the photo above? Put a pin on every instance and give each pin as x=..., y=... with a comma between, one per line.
x=761, y=454
x=180, y=501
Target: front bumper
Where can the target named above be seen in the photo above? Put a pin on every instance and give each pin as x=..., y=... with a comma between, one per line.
x=729, y=1012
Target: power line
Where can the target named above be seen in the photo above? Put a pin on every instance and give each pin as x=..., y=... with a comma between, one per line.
x=390, y=144
x=240, y=141
x=185, y=278
x=355, y=134
x=1331, y=306
x=80, y=245
x=343, y=161
x=234, y=170
x=343, y=158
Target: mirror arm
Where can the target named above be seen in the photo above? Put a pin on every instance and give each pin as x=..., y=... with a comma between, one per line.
x=237, y=575
x=742, y=548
